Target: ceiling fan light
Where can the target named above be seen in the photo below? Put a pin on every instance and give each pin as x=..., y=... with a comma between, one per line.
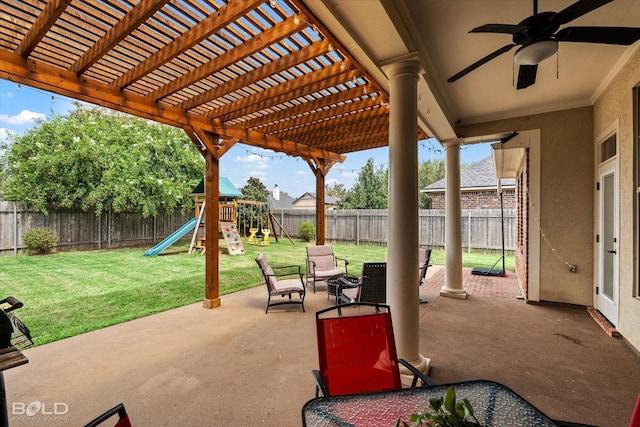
x=535, y=53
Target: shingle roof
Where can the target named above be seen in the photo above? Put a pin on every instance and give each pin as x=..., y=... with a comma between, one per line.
x=479, y=174
x=285, y=202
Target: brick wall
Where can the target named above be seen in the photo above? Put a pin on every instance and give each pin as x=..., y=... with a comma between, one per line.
x=489, y=199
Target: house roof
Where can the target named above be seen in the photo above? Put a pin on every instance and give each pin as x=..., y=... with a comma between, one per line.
x=328, y=200
x=285, y=202
x=227, y=189
x=479, y=175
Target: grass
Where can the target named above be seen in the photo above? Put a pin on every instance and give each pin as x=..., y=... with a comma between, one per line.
x=69, y=293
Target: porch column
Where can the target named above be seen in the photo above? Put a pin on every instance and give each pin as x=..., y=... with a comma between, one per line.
x=402, y=240
x=453, y=225
x=321, y=219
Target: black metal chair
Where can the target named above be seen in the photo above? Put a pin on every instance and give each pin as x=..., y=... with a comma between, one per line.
x=371, y=288
x=287, y=281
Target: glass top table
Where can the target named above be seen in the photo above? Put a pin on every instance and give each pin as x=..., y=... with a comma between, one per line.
x=493, y=404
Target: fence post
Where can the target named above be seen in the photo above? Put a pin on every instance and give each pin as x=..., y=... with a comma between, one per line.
x=469, y=230
x=15, y=230
x=357, y=228
x=154, y=229
x=109, y=229
x=100, y=231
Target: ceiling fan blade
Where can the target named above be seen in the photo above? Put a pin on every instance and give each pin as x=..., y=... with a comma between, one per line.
x=576, y=10
x=608, y=35
x=499, y=28
x=482, y=61
x=526, y=76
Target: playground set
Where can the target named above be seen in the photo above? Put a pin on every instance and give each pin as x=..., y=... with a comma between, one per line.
x=229, y=225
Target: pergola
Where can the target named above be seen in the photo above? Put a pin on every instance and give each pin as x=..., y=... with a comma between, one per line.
x=266, y=73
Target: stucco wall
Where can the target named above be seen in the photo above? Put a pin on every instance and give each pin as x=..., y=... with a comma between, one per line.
x=615, y=104
x=565, y=214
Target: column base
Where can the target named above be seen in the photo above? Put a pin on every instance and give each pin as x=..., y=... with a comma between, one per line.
x=453, y=293
x=211, y=303
x=423, y=364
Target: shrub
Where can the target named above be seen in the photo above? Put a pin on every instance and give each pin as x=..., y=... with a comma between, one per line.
x=307, y=231
x=41, y=240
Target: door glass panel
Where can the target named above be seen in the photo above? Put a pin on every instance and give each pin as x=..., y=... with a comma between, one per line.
x=608, y=234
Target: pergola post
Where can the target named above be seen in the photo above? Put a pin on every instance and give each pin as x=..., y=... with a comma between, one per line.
x=211, y=220
x=402, y=240
x=453, y=224
x=320, y=169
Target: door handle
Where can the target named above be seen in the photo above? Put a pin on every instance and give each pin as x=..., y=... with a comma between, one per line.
x=612, y=251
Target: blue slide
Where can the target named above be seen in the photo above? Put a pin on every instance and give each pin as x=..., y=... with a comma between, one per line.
x=172, y=238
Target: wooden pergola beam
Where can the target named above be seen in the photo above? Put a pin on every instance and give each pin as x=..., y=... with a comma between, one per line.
x=208, y=26
x=45, y=21
x=20, y=70
x=291, y=60
x=131, y=21
x=268, y=37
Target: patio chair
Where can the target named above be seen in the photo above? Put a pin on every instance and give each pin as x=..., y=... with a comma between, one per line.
x=357, y=351
x=119, y=410
x=424, y=261
x=322, y=264
x=282, y=281
x=372, y=287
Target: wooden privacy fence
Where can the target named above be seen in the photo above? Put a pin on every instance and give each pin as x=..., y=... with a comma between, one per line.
x=84, y=230
x=481, y=228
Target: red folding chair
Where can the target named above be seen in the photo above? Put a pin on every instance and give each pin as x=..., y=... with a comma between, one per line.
x=119, y=410
x=635, y=416
x=357, y=351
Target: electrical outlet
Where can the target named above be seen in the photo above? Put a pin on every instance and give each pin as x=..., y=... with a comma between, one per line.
x=573, y=268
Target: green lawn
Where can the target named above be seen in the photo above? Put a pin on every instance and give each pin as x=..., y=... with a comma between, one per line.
x=69, y=293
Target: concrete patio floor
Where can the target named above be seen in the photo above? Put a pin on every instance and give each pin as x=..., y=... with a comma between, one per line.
x=234, y=365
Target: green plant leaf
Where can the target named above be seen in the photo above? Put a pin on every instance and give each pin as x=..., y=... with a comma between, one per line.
x=450, y=400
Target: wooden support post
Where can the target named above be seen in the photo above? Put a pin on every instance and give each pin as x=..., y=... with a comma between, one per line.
x=320, y=168
x=211, y=221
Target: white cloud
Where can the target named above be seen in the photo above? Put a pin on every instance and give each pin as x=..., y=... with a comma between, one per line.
x=256, y=173
x=302, y=172
x=254, y=161
x=23, y=118
x=331, y=181
x=4, y=133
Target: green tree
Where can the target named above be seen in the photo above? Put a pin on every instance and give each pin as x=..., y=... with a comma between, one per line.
x=337, y=190
x=101, y=160
x=429, y=172
x=253, y=216
x=370, y=191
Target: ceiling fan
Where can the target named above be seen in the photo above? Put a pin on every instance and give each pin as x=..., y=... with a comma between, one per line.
x=538, y=38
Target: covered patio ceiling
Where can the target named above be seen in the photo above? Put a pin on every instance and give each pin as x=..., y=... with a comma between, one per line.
x=262, y=72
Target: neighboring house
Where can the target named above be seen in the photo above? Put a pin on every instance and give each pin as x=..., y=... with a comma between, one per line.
x=279, y=199
x=479, y=187
x=308, y=201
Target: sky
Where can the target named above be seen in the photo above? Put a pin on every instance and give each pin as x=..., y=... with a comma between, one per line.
x=20, y=105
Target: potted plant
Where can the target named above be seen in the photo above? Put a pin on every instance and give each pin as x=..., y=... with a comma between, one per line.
x=444, y=412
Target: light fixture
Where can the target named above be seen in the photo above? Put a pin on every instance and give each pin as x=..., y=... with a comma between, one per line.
x=535, y=53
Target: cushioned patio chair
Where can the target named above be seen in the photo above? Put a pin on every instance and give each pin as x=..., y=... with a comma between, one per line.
x=357, y=351
x=283, y=281
x=119, y=410
x=322, y=264
x=371, y=288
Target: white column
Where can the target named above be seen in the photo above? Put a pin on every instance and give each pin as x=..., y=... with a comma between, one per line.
x=453, y=225
x=402, y=236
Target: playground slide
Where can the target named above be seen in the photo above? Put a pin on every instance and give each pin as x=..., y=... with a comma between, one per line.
x=172, y=238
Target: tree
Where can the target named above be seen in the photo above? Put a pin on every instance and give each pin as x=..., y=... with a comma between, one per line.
x=370, y=190
x=101, y=160
x=429, y=172
x=337, y=190
x=250, y=216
